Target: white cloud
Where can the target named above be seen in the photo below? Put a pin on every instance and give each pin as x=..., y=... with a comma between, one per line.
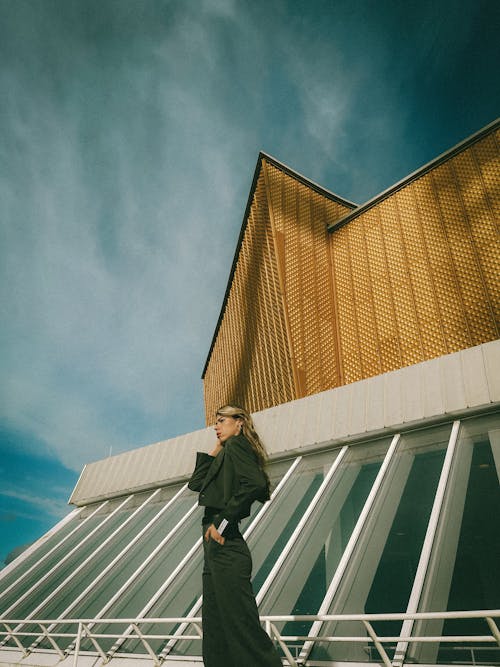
x=125, y=163
x=112, y=281
x=42, y=504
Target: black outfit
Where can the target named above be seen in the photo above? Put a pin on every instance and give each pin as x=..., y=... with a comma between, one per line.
x=228, y=485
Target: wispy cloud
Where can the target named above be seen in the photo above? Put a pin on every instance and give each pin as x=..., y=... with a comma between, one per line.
x=113, y=276
x=38, y=504
x=127, y=140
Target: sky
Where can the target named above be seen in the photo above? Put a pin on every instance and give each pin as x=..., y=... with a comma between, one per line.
x=129, y=134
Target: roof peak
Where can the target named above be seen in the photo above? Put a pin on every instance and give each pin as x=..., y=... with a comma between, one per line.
x=306, y=181
x=292, y=174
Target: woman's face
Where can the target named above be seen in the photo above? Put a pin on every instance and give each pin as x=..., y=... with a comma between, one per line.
x=225, y=427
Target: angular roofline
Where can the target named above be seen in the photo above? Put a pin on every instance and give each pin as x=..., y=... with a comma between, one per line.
x=306, y=181
x=290, y=172
x=444, y=157
x=357, y=210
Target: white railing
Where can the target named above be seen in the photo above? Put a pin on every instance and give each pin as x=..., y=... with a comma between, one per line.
x=68, y=644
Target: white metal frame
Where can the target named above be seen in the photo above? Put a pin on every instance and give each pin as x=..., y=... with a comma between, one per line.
x=103, y=572
x=83, y=629
x=301, y=525
x=348, y=551
x=151, y=556
x=37, y=544
x=170, y=579
x=31, y=614
x=106, y=518
x=423, y=564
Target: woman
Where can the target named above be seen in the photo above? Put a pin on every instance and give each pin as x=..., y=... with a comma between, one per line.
x=229, y=479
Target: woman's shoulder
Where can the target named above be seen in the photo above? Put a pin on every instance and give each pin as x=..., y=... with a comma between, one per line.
x=238, y=442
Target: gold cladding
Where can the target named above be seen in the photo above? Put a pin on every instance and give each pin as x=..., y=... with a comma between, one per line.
x=413, y=277
x=250, y=364
x=417, y=275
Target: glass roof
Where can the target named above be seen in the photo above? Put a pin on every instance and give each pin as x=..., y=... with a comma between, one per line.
x=402, y=524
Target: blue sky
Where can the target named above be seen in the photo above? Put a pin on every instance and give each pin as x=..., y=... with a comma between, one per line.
x=129, y=132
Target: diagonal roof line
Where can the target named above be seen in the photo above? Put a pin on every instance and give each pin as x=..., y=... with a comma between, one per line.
x=290, y=172
x=330, y=195
x=306, y=181
x=235, y=261
x=429, y=166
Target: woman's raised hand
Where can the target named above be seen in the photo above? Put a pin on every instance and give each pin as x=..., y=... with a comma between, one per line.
x=216, y=449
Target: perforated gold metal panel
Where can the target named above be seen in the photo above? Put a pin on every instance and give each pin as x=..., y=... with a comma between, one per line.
x=412, y=276
x=250, y=363
x=300, y=217
x=277, y=338
x=417, y=274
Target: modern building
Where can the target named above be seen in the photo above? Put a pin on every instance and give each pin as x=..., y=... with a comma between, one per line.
x=365, y=339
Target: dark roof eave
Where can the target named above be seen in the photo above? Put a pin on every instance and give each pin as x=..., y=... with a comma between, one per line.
x=235, y=261
x=447, y=155
x=307, y=182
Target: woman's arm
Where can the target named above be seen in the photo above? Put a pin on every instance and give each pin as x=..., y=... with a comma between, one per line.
x=203, y=463
x=251, y=483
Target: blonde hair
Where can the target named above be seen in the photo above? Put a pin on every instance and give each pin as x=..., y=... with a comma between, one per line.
x=248, y=430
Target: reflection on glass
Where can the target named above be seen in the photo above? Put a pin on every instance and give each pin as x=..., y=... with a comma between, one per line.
x=380, y=574
x=146, y=566
x=64, y=598
x=302, y=582
x=39, y=555
x=88, y=594
x=464, y=565
x=98, y=603
x=64, y=562
x=271, y=536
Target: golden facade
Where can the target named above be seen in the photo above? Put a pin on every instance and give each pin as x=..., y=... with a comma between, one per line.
x=324, y=293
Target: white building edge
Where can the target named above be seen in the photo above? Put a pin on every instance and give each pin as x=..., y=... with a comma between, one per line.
x=450, y=385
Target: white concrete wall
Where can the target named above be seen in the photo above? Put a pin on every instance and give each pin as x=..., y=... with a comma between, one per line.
x=448, y=385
